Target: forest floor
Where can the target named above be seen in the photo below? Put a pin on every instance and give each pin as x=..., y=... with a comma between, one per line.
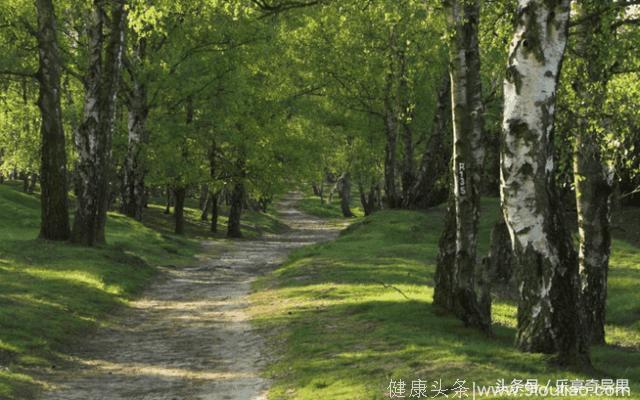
x=188, y=336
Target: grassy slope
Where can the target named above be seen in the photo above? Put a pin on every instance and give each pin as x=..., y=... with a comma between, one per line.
x=53, y=293
x=50, y=293
x=342, y=332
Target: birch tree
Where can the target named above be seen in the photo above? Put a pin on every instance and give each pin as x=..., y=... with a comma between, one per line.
x=134, y=170
x=593, y=176
x=94, y=135
x=549, y=312
x=459, y=289
x=427, y=191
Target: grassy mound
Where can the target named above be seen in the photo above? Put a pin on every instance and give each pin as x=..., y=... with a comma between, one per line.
x=346, y=317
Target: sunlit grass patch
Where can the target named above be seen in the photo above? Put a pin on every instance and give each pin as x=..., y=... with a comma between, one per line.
x=313, y=206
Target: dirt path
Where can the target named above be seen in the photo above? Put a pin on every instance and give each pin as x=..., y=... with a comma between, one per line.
x=188, y=337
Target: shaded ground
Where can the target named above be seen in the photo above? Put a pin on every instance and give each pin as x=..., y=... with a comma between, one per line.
x=188, y=337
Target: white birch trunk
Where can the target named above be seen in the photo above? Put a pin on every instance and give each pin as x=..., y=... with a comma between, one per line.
x=93, y=136
x=468, y=156
x=549, y=309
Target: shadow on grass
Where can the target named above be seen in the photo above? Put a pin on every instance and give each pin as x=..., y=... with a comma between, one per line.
x=358, y=348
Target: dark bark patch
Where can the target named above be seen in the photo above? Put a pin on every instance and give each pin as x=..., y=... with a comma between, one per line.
x=514, y=76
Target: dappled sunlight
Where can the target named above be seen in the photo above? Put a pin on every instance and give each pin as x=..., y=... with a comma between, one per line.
x=76, y=276
x=180, y=373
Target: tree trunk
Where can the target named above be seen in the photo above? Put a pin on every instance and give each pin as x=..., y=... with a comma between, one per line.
x=237, y=198
x=549, y=312
x=24, y=176
x=364, y=201
x=134, y=164
x=205, y=210
x=501, y=259
x=593, y=178
x=434, y=164
x=93, y=136
x=33, y=181
x=406, y=115
x=204, y=201
x=215, y=194
x=391, y=194
x=391, y=125
x=368, y=200
x=344, y=188
x=215, y=198
x=321, y=192
x=169, y=202
x=408, y=173
x=593, y=192
x=443, y=291
x=331, y=181
x=468, y=155
x=54, y=219
x=204, y=196
x=235, y=212
x=179, y=193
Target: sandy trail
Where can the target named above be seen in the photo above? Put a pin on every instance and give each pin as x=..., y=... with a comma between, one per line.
x=188, y=337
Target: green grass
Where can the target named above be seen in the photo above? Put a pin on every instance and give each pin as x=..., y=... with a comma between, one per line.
x=311, y=205
x=341, y=329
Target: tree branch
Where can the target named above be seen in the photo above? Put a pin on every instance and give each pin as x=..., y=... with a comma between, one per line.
x=22, y=74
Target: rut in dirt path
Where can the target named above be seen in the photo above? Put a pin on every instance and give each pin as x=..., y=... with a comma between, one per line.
x=188, y=337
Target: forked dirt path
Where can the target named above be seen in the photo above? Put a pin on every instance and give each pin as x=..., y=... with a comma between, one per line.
x=188, y=337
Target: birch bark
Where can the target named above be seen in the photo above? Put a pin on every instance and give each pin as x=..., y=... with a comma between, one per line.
x=549, y=312
x=593, y=177
x=469, y=301
x=94, y=135
x=134, y=166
